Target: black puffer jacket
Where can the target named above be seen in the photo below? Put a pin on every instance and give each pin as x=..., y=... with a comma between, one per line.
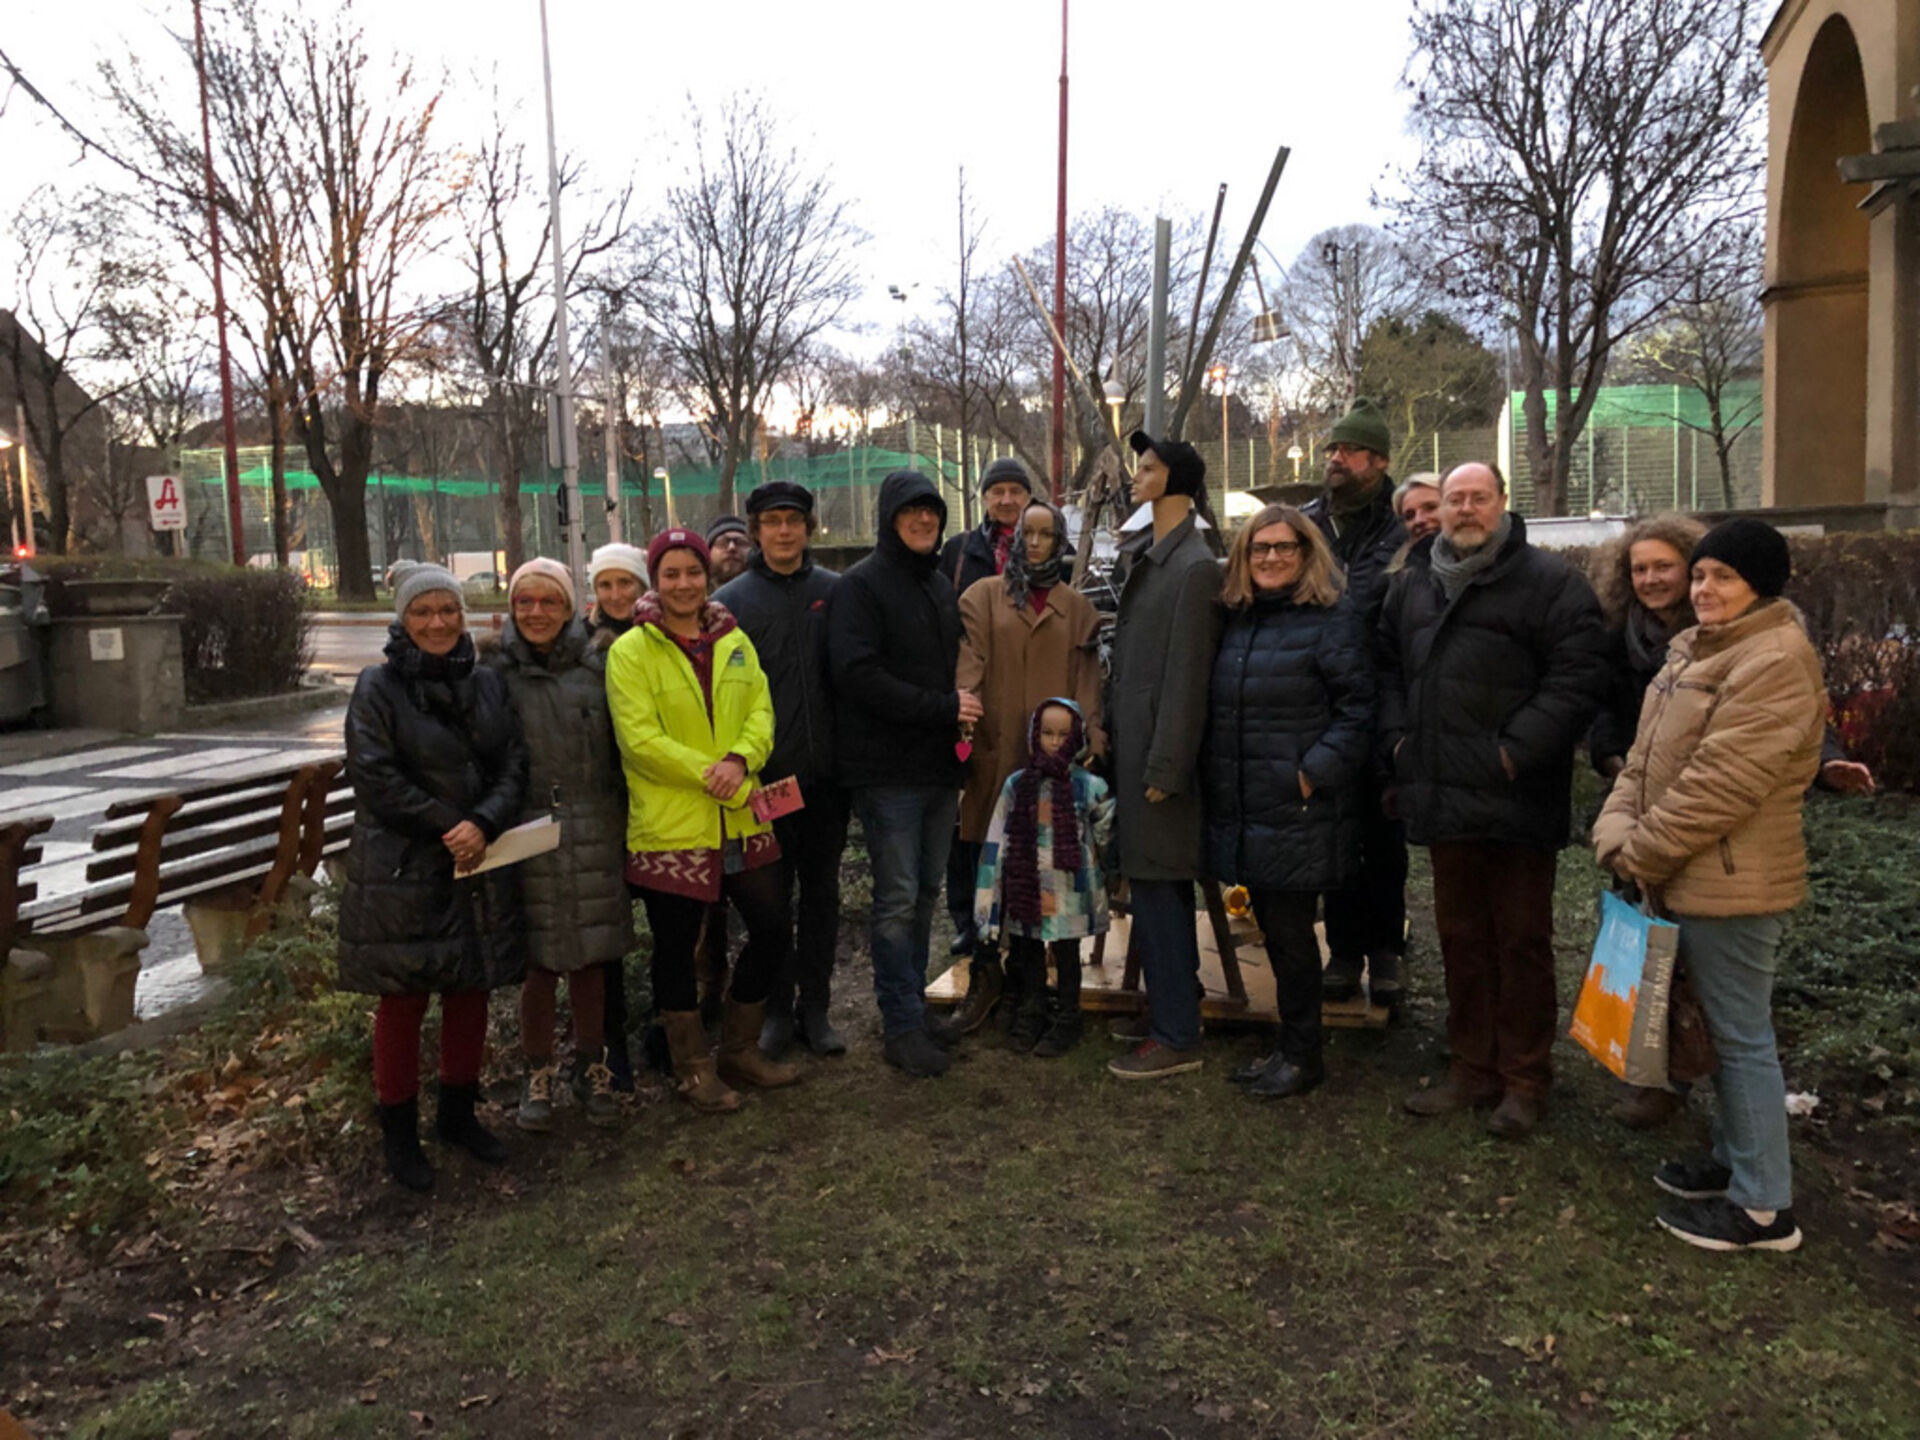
x=893, y=640
x=1517, y=661
x=423, y=755
x=575, y=898
x=786, y=618
x=1364, y=548
x=1292, y=691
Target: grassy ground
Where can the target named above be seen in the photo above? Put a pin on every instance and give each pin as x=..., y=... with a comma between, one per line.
x=1023, y=1248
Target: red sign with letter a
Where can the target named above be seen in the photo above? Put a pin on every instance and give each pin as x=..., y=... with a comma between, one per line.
x=166, y=504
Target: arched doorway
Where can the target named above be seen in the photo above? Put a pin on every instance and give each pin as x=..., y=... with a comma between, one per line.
x=1816, y=402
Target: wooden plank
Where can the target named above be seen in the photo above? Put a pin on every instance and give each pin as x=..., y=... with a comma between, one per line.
x=178, y=845
x=15, y=840
x=257, y=799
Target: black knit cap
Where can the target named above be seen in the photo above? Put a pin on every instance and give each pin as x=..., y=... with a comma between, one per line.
x=780, y=495
x=722, y=524
x=1751, y=547
x=1003, y=469
x=1186, y=471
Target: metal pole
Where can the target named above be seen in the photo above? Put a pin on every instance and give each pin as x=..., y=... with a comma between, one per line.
x=616, y=530
x=570, y=517
x=232, y=434
x=1060, y=284
x=1156, y=417
x=1226, y=450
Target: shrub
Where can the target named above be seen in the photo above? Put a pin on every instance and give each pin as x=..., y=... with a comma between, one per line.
x=242, y=632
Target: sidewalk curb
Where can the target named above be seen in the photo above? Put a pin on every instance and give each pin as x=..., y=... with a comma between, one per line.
x=310, y=696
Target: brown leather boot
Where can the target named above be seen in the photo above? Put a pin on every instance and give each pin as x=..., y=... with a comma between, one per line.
x=1642, y=1107
x=1516, y=1115
x=693, y=1067
x=741, y=1062
x=985, y=982
x=1446, y=1098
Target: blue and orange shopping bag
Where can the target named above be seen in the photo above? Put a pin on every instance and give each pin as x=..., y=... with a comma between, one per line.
x=1621, y=1016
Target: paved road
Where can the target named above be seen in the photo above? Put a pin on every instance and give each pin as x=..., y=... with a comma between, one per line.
x=345, y=644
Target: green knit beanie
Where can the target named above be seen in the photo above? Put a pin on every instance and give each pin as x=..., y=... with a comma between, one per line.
x=1362, y=425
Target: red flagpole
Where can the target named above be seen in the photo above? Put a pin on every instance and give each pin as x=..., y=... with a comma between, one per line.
x=236, y=526
x=1060, y=286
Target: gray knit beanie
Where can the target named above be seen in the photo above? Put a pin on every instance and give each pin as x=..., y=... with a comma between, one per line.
x=421, y=580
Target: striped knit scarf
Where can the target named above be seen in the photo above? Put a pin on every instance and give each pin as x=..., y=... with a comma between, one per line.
x=1023, y=817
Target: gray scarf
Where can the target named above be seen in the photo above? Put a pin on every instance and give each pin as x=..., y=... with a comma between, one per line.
x=1454, y=570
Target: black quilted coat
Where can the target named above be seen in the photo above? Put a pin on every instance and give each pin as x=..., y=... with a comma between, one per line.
x=1292, y=691
x=1518, y=661
x=575, y=898
x=425, y=754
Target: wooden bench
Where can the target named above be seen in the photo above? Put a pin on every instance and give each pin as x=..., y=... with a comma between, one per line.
x=230, y=853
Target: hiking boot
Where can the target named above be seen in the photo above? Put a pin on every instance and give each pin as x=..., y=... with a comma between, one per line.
x=985, y=981
x=816, y=1029
x=457, y=1125
x=1256, y=1067
x=1515, y=1116
x=1064, y=1031
x=1719, y=1224
x=942, y=1029
x=1340, y=981
x=1385, y=980
x=694, y=1075
x=593, y=1088
x=1029, y=1024
x=1645, y=1107
x=1151, y=1060
x=1446, y=1098
x=1131, y=1029
x=915, y=1054
x=400, y=1143
x=620, y=1062
x=1702, y=1179
x=741, y=1062
x=1286, y=1077
x=776, y=1031
x=536, y=1099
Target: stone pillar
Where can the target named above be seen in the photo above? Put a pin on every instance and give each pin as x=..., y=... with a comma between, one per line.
x=120, y=672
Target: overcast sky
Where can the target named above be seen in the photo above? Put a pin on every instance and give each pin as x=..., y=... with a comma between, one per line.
x=1168, y=100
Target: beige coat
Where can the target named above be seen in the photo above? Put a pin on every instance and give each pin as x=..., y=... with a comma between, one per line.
x=1707, y=812
x=1014, y=659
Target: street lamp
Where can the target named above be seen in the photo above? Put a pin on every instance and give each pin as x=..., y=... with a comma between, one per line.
x=1116, y=394
x=660, y=474
x=1218, y=374
x=1294, y=452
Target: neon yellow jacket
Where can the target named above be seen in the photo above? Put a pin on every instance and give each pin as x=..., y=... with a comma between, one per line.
x=666, y=742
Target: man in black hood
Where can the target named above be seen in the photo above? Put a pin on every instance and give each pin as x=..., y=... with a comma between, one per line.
x=893, y=643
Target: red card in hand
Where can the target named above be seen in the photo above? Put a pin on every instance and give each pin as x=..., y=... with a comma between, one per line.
x=771, y=801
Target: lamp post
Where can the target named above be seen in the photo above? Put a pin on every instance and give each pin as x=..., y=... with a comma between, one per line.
x=1116, y=394
x=660, y=473
x=1294, y=452
x=1218, y=374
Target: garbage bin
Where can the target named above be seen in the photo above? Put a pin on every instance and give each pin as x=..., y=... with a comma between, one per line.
x=23, y=623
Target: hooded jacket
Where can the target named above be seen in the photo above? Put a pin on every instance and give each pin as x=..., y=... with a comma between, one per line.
x=893, y=642
x=1517, y=661
x=424, y=755
x=577, y=909
x=1707, y=812
x=786, y=618
x=667, y=740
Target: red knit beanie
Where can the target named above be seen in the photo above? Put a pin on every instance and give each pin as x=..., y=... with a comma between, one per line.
x=678, y=539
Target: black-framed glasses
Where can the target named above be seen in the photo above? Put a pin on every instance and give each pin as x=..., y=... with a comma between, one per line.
x=1261, y=549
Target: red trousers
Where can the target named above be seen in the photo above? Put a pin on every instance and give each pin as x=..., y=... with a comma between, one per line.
x=1493, y=906
x=396, y=1041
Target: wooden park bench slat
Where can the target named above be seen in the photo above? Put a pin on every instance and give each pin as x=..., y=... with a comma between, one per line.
x=184, y=845
x=18, y=849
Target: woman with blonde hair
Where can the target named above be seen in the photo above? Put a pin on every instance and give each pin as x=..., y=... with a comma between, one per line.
x=1641, y=578
x=1290, y=728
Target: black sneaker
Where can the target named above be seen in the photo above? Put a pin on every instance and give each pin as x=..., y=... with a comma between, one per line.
x=1701, y=1179
x=916, y=1055
x=1131, y=1029
x=1722, y=1225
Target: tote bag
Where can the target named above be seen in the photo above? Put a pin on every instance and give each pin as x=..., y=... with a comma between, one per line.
x=1621, y=1016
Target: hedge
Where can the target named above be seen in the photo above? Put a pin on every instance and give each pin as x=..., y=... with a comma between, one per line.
x=244, y=632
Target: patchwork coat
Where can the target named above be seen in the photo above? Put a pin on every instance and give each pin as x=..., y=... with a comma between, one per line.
x=1073, y=903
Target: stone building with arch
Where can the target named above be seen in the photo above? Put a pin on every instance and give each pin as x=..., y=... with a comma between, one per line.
x=1842, y=292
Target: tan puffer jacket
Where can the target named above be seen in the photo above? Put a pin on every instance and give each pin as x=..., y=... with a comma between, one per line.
x=1707, y=812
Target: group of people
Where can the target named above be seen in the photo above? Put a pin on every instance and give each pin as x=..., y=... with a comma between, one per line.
x=1384, y=666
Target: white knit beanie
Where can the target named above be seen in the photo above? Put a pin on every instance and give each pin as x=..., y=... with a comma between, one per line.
x=616, y=556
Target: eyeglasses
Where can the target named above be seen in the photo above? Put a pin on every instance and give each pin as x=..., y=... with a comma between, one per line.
x=540, y=602
x=1263, y=549
x=442, y=613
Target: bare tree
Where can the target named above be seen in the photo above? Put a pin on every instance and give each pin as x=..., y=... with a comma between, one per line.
x=757, y=259
x=68, y=266
x=155, y=339
x=1430, y=374
x=1712, y=336
x=1345, y=282
x=1572, y=154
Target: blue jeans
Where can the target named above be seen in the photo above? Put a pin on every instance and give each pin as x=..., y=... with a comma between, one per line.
x=908, y=829
x=1731, y=961
x=1169, y=947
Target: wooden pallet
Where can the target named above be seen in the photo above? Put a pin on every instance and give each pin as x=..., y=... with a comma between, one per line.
x=1103, y=986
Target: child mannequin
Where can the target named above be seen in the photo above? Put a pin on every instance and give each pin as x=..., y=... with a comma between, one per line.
x=1040, y=883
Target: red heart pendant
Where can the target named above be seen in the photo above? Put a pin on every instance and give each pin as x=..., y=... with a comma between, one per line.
x=963, y=750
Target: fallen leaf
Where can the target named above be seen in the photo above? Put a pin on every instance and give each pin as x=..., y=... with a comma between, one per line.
x=680, y=1319
x=880, y=1355
x=473, y=1400
x=421, y=1419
